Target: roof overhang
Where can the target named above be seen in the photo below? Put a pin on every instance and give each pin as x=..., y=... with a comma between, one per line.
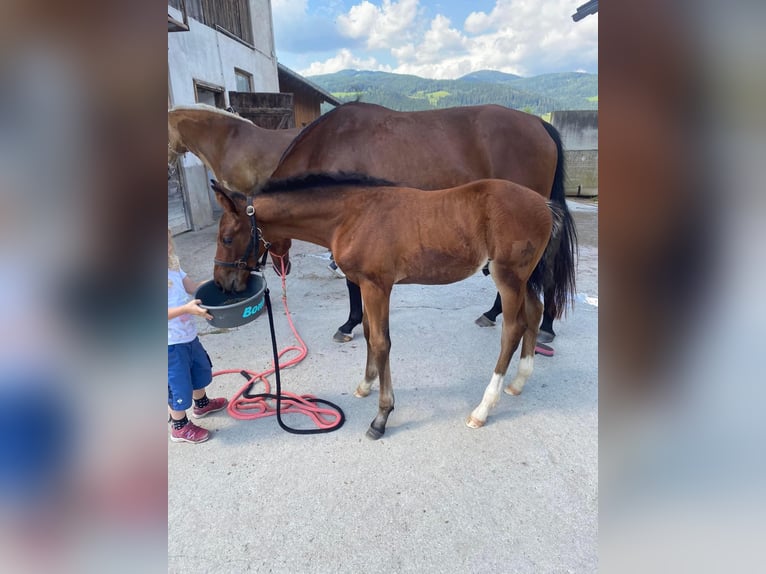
x=586, y=9
x=287, y=73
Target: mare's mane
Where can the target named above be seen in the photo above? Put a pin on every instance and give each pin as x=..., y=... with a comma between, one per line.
x=210, y=109
x=324, y=180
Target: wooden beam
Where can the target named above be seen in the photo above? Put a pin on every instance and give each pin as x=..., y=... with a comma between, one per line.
x=176, y=26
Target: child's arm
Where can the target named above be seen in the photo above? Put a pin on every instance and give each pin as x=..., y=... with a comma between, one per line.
x=192, y=308
x=190, y=285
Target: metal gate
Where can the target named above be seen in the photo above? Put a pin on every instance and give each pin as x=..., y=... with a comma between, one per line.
x=178, y=216
x=178, y=219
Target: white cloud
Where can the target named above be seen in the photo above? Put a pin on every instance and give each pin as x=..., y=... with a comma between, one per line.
x=441, y=53
x=525, y=37
x=344, y=60
x=477, y=22
x=442, y=38
x=386, y=26
x=517, y=36
x=359, y=20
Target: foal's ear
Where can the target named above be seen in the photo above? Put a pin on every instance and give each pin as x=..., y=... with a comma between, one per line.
x=223, y=198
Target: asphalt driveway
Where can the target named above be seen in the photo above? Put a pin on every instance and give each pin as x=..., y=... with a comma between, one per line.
x=518, y=495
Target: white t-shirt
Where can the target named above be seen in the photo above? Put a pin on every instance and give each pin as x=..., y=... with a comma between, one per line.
x=181, y=329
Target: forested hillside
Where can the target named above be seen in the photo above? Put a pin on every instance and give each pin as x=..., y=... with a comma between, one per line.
x=539, y=94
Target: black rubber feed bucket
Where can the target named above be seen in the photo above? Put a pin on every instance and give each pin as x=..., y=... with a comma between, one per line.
x=233, y=309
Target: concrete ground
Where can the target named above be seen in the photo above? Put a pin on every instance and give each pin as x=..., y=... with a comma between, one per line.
x=518, y=495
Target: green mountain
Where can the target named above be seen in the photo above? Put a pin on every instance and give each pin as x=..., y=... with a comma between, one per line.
x=539, y=94
x=489, y=76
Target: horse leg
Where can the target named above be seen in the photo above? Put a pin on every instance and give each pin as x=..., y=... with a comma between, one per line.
x=376, y=301
x=488, y=318
x=532, y=310
x=371, y=369
x=546, y=333
x=346, y=331
x=509, y=340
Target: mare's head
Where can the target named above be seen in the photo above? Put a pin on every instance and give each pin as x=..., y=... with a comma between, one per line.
x=240, y=245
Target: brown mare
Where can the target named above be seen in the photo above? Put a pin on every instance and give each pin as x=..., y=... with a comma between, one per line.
x=414, y=236
x=433, y=150
x=240, y=154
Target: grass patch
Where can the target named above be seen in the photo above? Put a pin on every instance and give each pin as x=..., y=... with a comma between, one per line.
x=346, y=94
x=432, y=97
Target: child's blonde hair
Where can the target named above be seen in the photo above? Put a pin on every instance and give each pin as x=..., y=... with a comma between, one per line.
x=173, y=262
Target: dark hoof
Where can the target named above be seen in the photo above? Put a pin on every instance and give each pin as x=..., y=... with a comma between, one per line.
x=545, y=337
x=374, y=434
x=484, y=321
x=341, y=337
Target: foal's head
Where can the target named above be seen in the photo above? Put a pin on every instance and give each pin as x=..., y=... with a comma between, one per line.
x=240, y=246
x=234, y=241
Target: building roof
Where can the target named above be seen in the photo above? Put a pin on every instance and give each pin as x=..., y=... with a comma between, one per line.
x=285, y=72
x=586, y=9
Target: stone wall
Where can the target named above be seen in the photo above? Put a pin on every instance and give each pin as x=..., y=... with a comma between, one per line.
x=579, y=134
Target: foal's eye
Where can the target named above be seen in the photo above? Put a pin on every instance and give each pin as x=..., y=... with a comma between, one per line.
x=227, y=240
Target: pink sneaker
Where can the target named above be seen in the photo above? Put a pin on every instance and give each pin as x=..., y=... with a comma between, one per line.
x=213, y=405
x=189, y=433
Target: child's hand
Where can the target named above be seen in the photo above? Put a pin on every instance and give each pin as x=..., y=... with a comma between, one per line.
x=193, y=308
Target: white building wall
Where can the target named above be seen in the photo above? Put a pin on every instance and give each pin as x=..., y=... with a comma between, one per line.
x=209, y=56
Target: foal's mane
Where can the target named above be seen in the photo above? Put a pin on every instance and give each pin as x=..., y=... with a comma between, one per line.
x=324, y=180
x=209, y=109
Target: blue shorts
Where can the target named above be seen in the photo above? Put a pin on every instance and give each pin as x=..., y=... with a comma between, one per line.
x=189, y=369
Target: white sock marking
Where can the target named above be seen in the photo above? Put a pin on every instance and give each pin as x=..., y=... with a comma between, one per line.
x=489, y=400
x=526, y=366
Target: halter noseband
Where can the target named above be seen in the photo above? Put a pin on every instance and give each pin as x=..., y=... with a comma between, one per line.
x=255, y=237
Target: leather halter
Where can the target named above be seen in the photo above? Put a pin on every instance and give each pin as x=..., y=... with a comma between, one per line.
x=255, y=238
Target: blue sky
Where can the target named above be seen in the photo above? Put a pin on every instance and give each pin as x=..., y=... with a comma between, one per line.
x=444, y=39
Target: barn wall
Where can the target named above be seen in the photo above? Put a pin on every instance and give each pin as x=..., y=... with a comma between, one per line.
x=306, y=109
x=210, y=56
x=306, y=102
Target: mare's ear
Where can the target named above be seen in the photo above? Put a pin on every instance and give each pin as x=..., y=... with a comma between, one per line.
x=223, y=198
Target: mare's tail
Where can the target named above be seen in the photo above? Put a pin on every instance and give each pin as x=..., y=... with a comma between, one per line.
x=555, y=272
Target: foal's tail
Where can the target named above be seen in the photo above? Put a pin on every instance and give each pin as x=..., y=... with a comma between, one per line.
x=555, y=272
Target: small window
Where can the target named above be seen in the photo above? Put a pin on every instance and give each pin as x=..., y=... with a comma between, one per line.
x=209, y=94
x=244, y=81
